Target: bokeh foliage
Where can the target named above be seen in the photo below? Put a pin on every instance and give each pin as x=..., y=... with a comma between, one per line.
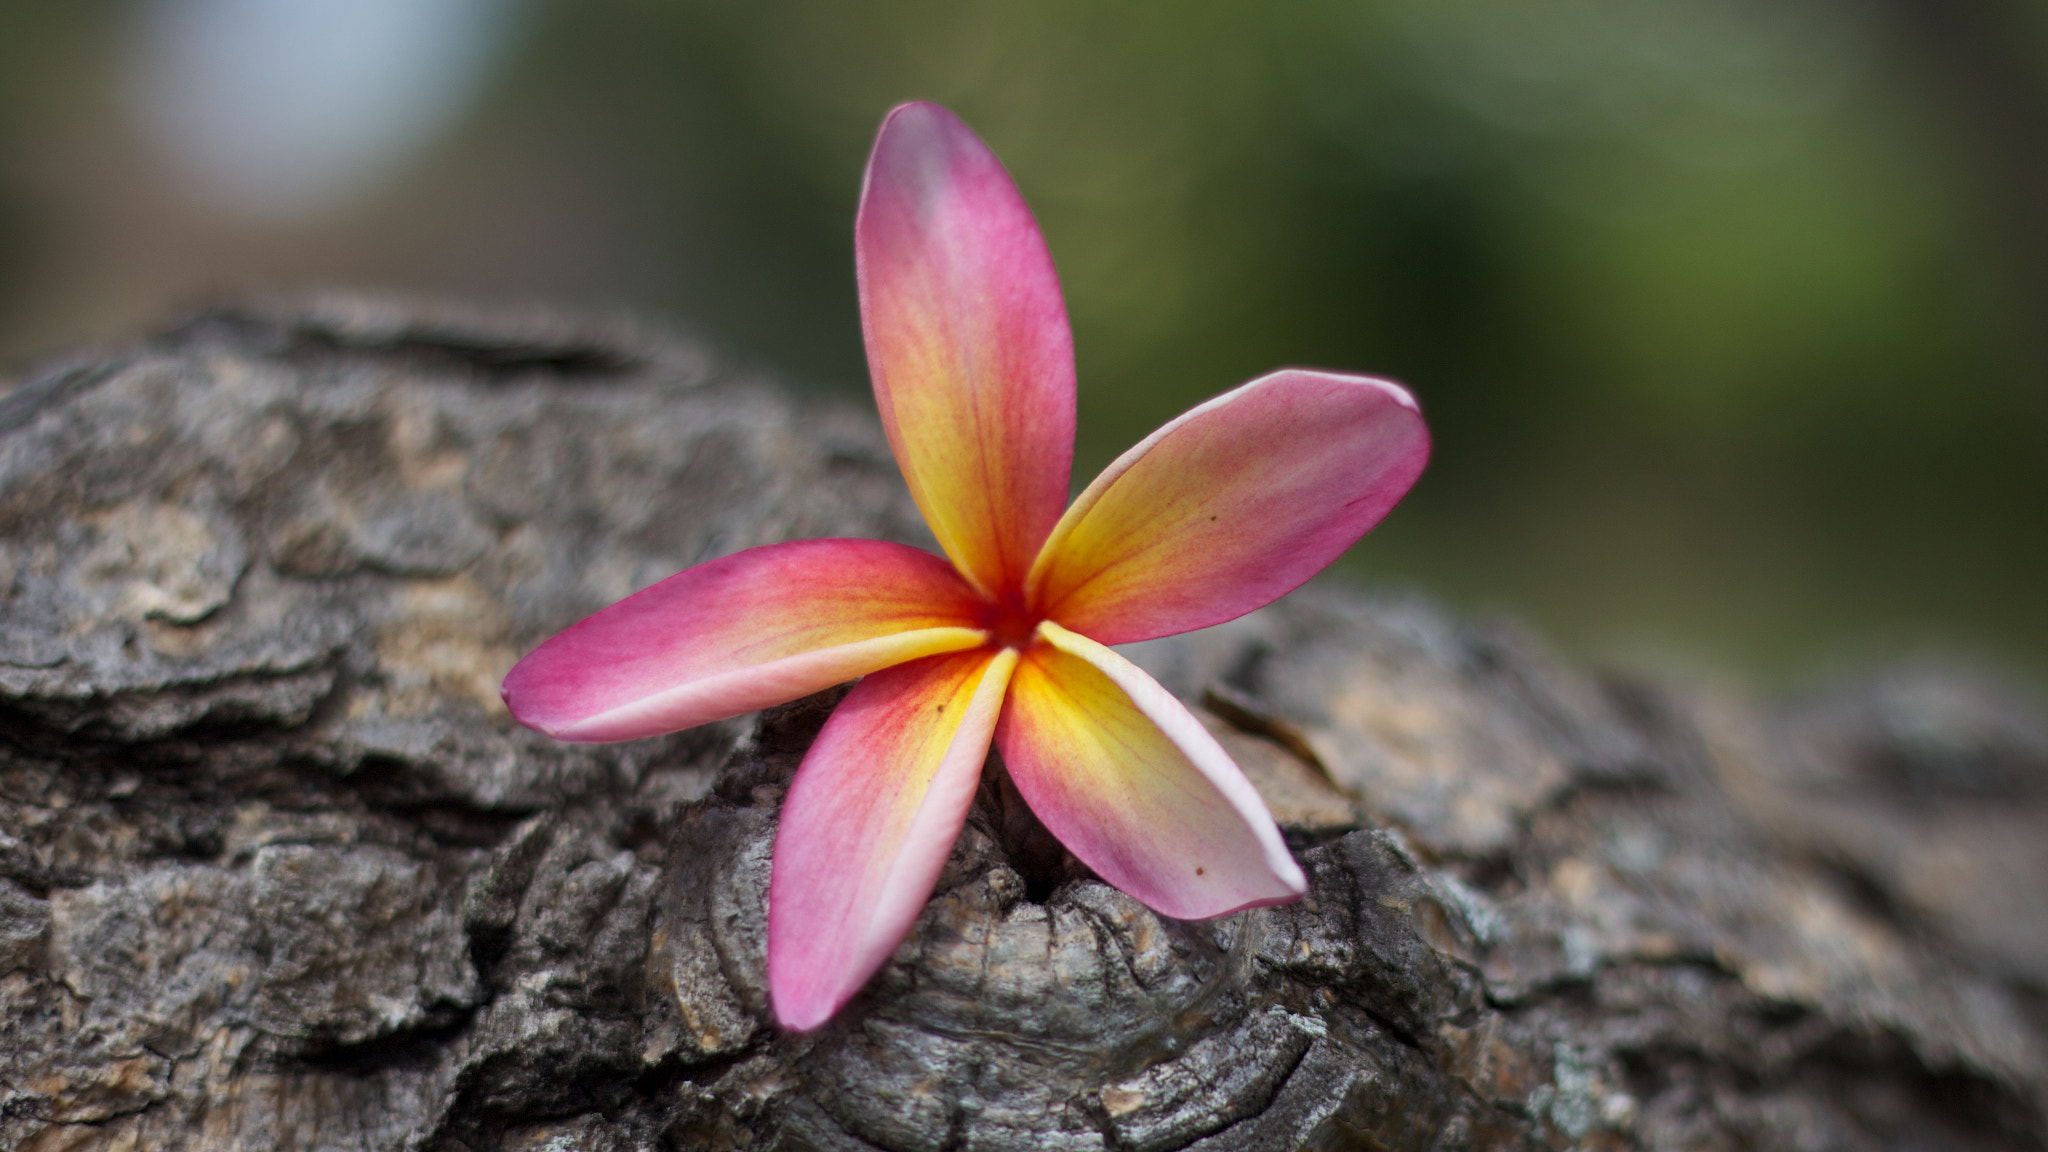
x=1703, y=297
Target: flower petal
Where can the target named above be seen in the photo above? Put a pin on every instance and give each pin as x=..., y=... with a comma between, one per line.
x=756, y=628
x=869, y=822
x=1230, y=506
x=1134, y=785
x=968, y=344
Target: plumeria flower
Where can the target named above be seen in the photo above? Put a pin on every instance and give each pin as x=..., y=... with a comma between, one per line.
x=1007, y=639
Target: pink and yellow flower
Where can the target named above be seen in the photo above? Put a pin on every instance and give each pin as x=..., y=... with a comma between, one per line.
x=1223, y=510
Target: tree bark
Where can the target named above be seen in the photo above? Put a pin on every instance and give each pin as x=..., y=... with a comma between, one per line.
x=278, y=871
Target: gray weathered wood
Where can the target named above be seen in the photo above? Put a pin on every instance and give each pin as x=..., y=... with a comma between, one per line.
x=277, y=871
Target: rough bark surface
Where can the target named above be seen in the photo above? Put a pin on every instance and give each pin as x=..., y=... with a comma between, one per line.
x=278, y=871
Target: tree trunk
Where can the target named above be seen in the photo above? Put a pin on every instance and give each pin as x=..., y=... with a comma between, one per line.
x=278, y=871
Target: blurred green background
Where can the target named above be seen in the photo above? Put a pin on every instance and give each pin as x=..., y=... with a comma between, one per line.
x=1730, y=317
